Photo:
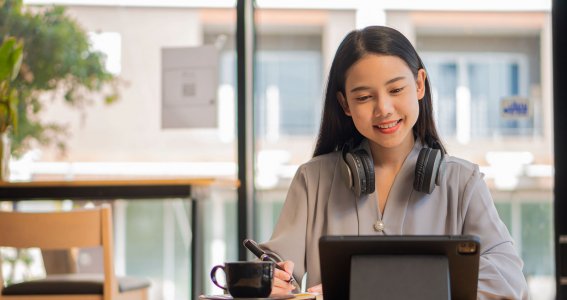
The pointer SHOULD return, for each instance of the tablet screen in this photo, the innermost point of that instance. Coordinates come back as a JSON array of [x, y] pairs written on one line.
[[430, 255]]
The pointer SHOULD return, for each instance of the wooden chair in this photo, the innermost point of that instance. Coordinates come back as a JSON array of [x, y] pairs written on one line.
[[64, 230]]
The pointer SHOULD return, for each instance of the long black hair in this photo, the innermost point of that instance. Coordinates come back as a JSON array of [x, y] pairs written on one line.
[[338, 128]]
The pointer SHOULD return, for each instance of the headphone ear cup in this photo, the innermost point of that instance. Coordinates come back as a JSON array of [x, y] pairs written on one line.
[[346, 170], [356, 167], [420, 169], [368, 171], [440, 172], [426, 170]]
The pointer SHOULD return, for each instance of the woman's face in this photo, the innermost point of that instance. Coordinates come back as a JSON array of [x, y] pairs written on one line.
[[382, 99]]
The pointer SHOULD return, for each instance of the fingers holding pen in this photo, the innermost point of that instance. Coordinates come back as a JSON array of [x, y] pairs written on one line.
[[288, 267], [285, 275], [282, 283], [316, 289]]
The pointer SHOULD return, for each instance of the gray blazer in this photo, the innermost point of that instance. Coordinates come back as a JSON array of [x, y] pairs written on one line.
[[319, 203]]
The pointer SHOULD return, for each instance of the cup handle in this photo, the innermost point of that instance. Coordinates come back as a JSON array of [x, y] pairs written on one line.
[[214, 276]]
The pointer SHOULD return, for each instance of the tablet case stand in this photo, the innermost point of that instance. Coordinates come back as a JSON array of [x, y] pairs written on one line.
[[396, 277]]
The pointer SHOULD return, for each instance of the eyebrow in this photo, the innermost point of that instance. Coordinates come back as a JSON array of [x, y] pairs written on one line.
[[359, 88], [363, 87], [395, 79]]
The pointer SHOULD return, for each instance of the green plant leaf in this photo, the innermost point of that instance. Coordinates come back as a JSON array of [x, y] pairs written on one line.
[[3, 117], [16, 59], [6, 50], [13, 104]]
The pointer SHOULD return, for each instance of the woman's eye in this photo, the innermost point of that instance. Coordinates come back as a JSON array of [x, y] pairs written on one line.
[[362, 98], [397, 91]]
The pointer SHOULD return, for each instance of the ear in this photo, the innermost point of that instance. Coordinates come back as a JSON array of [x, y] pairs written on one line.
[[344, 104], [420, 83]]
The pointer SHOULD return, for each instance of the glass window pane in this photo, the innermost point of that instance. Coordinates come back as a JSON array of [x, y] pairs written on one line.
[[168, 113], [505, 213], [288, 87], [537, 237], [444, 89], [473, 70]]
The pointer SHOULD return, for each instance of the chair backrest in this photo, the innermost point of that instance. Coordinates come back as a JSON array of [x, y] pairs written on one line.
[[62, 230]]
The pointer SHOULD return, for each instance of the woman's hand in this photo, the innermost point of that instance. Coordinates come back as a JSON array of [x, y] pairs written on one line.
[[316, 289], [281, 278]]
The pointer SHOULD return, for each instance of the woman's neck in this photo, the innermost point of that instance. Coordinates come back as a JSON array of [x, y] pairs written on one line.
[[391, 157]]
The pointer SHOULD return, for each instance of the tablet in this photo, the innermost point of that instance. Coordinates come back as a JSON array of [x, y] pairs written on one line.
[[426, 256]]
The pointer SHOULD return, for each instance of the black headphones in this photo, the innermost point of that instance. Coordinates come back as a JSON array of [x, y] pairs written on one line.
[[358, 169]]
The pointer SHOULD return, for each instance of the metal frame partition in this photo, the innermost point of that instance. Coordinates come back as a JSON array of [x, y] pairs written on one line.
[[559, 25], [245, 119]]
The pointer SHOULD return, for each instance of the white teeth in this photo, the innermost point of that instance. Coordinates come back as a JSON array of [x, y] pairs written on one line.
[[390, 125]]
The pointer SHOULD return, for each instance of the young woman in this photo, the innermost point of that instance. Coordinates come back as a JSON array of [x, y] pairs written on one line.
[[378, 102]]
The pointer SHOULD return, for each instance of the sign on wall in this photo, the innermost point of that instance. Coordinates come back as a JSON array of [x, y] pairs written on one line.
[[515, 108], [189, 87]]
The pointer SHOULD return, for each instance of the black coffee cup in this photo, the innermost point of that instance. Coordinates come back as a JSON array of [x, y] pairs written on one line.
[[246, 279]]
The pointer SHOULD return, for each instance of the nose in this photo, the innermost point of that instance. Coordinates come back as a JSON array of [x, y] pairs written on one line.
[[383, 107]]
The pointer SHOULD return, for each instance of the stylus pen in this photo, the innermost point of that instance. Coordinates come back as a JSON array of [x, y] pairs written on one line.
[[262, 255]]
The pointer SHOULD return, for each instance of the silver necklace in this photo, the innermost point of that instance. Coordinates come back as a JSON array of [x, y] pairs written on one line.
[[379, 224]]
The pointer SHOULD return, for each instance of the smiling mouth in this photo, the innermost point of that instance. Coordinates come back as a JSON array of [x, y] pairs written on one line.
[[389, 125]]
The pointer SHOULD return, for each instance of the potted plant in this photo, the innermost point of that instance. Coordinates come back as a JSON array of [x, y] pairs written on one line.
[[11, 52]]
